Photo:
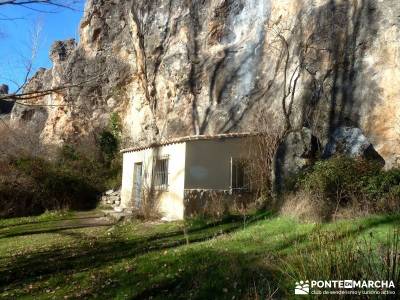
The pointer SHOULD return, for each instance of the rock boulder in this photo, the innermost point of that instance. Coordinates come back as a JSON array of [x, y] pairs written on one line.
[[350, 141], [297, 150]]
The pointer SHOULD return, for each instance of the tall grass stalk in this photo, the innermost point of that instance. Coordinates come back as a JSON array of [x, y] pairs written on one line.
[[335, 256]]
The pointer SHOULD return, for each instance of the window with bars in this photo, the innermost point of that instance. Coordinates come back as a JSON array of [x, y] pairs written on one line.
[[240, 179], [160, 173]]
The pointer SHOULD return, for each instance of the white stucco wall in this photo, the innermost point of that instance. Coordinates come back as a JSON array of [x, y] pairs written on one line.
[[201, 164], [170, 201], [208, 162]]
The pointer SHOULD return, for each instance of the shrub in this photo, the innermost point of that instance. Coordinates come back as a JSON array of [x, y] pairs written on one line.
[[114, 174], [33, 179], [68, 153], [149, 206], [338, 178], [110, 138], [31, 185], [303, 206], [357, 183], [383, 183], [57, 186], [115, 125], [17, 192], [18, 141], [91, 169], [108, 144]]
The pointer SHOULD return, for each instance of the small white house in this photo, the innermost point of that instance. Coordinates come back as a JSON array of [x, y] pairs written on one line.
[[176, 168]]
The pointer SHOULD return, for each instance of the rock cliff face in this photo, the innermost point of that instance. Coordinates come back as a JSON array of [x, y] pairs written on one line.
[[180, 67]]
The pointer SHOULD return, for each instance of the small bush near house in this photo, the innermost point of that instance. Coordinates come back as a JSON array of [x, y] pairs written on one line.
[[383, 184], [303, 206], [337, 179], [343, 182], [149, 205]]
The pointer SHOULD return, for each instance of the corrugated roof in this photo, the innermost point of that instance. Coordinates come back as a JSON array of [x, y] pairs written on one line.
[[189, 139]]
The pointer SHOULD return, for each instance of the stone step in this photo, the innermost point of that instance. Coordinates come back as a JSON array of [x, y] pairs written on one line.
[[117, 216]]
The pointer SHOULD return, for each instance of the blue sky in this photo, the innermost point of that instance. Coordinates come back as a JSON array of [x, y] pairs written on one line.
[[16, 37]]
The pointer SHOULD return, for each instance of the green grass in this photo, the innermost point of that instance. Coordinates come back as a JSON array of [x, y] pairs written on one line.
[[77, 255], [47, 216]]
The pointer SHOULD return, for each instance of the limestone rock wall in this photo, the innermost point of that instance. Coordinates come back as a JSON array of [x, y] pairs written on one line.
[[180, 67]]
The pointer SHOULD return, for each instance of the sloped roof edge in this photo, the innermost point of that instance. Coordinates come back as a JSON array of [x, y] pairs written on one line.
[[189, 139]]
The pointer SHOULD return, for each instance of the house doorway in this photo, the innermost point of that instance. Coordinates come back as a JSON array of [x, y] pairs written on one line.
[[138, 182]]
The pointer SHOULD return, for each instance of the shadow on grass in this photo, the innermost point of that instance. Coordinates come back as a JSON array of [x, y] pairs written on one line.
[[367, 224], [303, 242], [194, 272], [110, 250], [199, 274], [55, 229], [71, 218]]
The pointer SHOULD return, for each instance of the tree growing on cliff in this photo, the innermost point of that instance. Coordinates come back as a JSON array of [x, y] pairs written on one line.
[[296, 51], [109, 139]]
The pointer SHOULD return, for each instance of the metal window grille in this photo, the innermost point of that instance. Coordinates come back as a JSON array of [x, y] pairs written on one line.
[[240, 179], [160, 173]]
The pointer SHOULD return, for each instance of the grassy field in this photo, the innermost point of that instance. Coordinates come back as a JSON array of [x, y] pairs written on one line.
[[83, 255]]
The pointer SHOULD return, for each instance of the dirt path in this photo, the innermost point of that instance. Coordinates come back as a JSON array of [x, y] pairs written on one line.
[[86, 219], [78, 220]]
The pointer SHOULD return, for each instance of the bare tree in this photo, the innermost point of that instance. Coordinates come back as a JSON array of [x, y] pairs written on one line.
[[19, 95], [33, 4], [298, 51], [22, 141], [292, 67], [23, 96], [262, 149]]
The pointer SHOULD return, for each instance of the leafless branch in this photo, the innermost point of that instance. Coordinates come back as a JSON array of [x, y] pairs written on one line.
[[33, 4], [25, 96]]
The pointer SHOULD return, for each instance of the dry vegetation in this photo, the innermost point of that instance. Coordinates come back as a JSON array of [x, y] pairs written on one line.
[[149, 208], [33, 181], [343, 187], [18, 142], [262, 150]]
